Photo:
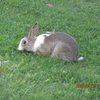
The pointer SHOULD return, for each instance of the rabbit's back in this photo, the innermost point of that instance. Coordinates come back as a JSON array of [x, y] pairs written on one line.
[[63, 37]]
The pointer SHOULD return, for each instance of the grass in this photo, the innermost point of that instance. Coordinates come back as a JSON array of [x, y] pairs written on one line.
[[27, 76]]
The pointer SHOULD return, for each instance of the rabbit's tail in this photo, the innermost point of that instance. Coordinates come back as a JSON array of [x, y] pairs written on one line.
[[80, 58]]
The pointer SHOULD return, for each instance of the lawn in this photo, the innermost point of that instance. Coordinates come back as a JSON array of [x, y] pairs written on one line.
[[27, 76]]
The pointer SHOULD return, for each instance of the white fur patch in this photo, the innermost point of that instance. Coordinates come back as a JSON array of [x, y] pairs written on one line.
[[80, 58], [20, 48], [39, 41]]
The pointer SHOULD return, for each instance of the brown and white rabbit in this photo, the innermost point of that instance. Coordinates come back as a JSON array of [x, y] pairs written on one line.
[[56, 44]]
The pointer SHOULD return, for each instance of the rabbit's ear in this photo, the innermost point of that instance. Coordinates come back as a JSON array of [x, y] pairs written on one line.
[[33, 31]]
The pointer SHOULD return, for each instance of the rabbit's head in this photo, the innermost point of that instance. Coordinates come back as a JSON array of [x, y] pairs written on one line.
[[27, 43]]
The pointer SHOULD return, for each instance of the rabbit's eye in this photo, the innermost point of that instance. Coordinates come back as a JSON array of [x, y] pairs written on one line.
[[24, 42]]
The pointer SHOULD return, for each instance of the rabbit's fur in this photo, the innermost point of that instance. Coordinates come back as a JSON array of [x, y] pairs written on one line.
[[56, 44]]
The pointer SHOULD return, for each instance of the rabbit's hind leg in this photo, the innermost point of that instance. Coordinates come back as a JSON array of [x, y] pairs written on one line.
[[62, 51]]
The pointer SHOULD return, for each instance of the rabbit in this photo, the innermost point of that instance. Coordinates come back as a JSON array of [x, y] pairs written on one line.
[[56, 44]]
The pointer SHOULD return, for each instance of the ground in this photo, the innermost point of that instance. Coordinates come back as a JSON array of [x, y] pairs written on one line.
[[27, 76]]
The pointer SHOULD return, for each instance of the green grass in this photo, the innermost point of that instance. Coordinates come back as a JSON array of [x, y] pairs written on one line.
[[27, 76]]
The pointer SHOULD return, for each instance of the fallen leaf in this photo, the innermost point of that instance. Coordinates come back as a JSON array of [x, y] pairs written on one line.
[[50, 5]]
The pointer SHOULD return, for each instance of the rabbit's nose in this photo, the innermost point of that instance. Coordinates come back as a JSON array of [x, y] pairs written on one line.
[[20, 48]]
